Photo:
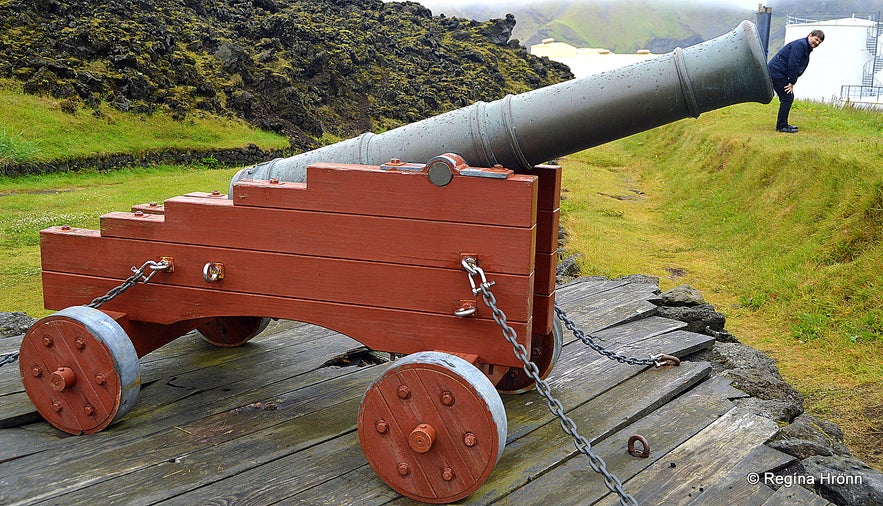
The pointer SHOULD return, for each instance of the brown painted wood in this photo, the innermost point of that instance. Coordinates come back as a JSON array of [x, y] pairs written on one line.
[[545, 273], [403, 240], [346, 271], [549, 189], [546, 259], [383, 329], [543, 313], [370, 284], [547, 231], [351, 189]]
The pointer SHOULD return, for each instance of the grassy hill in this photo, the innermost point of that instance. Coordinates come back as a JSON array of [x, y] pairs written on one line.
[[782, 233], [628, 25], [309, 70]]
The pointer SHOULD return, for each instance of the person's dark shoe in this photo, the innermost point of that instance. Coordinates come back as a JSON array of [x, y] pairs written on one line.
[[788, 129], [794, 127]]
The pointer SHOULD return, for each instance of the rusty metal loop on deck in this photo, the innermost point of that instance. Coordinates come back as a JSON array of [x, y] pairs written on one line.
[[644, 452], [663, 359]]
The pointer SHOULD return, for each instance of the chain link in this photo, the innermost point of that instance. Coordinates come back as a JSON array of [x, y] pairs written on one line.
[[8, 358], [567, 424], [137, 277], [654, 360]]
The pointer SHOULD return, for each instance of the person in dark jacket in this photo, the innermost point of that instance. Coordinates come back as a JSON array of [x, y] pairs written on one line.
[[785, 67]]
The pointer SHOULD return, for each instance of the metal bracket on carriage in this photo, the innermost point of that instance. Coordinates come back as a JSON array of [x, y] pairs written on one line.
[[442, 168]]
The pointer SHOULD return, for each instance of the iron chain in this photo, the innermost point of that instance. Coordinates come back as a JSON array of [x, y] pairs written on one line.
[[567, 424], [655, 360], [8, 358], [137, 277]]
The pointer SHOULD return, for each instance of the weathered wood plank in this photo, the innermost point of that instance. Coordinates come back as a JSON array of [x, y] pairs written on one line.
[[149, 457], [17, 410], [574, 482], [180, 441], [734, 485], [527, 412], [314, 469], [607, 303], [703, 462], [154, 426], [545, 448], [185, 355], [318, 443], [265, 424], [581, 374]]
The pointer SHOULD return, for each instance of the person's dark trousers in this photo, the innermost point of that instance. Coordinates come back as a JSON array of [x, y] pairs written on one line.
[[785, 101]]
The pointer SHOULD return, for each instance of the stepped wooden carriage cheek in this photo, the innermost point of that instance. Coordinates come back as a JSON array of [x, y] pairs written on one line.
[[374, 252], [384, 251]]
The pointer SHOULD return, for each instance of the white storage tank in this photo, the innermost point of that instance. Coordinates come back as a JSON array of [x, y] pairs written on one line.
[[840, 60]]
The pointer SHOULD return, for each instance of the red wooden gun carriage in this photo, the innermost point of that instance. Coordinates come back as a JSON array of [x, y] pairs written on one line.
[[393, 254]]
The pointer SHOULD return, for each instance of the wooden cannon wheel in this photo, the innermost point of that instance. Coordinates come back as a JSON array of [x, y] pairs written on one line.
[[432, 427], [80, 369], [544, 352], [232, 331]]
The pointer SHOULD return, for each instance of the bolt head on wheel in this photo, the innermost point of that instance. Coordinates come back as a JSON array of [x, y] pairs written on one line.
[[80, 369]]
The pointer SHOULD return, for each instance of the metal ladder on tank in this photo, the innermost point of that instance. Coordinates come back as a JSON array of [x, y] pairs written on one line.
[[875, 64]]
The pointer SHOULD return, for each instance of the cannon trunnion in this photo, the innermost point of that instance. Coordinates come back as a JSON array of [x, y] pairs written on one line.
[[364, 238]]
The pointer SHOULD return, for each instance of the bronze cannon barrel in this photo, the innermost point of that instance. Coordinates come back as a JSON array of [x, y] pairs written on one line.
[[520, 131]]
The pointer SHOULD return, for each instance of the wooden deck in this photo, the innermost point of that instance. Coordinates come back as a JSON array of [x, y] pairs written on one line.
[[270, 423]]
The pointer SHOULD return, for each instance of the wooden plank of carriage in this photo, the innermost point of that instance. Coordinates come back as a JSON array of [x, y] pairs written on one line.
[[265, 422]]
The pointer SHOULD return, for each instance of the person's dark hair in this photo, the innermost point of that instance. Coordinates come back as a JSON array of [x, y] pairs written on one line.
[[818, 33]]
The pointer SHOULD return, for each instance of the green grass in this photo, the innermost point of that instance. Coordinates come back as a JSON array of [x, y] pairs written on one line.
[[35, 128], [30, 204], [780, 232]]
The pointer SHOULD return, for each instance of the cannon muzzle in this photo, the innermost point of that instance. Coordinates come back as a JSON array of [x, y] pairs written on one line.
[[520, 131]]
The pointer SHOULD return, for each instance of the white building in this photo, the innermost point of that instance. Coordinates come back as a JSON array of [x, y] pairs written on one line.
[[847, 66], [584, 61]]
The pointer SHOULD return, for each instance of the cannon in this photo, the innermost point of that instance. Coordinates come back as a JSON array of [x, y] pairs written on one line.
[[386, 238], [521, 131]]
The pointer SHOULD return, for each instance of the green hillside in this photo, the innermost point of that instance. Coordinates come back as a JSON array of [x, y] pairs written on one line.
[[628, 25], [782, 233], [308, 70]]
